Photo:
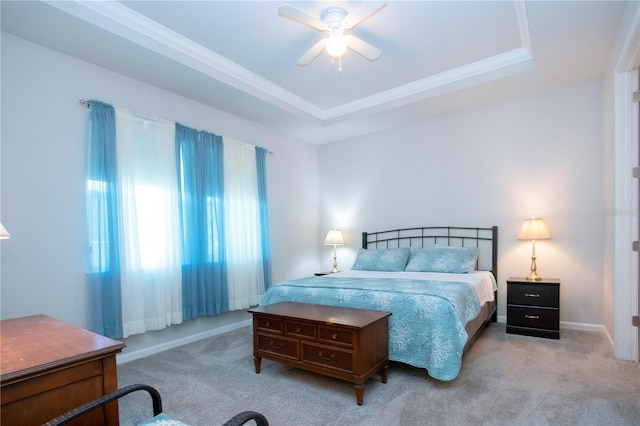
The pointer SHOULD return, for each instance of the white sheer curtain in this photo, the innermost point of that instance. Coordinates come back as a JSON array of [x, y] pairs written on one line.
[[149, 223], [245, 276]]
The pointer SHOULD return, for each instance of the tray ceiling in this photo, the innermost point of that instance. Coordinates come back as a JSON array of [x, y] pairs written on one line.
[[240, 56]]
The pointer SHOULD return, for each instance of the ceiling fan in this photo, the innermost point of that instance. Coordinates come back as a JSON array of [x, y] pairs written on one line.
[[335, 21]]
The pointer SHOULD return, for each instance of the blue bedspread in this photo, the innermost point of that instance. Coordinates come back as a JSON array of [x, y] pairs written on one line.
[[426, 328]]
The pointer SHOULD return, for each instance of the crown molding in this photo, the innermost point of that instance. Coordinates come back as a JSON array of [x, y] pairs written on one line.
[[118, 19], [488, 69]]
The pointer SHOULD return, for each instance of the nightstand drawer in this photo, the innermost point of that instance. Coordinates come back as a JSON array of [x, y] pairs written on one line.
[[533, 317], [533, 295]]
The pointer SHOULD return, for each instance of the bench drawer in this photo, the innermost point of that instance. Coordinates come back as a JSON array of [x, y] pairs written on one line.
[[280, 346], [335, 336], [328, 357]]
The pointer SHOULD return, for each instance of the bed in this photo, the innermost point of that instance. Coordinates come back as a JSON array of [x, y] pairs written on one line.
[[438, 282]]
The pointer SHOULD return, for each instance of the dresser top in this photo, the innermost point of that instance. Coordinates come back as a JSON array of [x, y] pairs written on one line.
[[32, 344]]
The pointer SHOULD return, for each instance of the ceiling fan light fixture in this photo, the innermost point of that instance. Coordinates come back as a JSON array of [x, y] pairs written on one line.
[[336, 45], [335, 21]]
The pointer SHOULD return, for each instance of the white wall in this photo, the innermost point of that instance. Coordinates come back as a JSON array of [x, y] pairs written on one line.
[[42, 177], [497, 165]]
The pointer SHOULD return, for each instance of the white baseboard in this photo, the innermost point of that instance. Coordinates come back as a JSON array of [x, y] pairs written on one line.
[[127, 357], [609, 338], [598, 328]]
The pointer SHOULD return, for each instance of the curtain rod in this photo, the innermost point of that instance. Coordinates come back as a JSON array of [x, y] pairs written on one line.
[[88, 104]]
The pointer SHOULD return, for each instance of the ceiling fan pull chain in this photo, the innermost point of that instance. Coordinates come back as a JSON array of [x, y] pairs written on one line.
[[333, 61]]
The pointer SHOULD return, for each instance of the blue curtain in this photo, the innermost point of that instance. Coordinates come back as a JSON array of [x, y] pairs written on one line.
[[200, 157], [201, 186], [261, 165], [102, 220]]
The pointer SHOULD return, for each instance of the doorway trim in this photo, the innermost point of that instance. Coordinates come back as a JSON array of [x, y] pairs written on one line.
[[626, 192]]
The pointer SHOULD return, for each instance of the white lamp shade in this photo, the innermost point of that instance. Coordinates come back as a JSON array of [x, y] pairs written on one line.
[[3, 233], [534, 229], [334, 238]]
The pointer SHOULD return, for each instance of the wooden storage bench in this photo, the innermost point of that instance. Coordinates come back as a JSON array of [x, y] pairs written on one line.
[[348, 344]]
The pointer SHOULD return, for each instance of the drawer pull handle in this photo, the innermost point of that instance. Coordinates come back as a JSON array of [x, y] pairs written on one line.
[[267, 324], [299, 330], [274, 346], [531, 295], [334, 336], [330, 358], [532, 316]]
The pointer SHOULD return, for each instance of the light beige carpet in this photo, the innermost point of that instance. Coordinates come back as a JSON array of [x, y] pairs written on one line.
[[505, 380]]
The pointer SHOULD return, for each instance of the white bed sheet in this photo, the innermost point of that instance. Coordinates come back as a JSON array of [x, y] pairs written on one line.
[[482, 281]]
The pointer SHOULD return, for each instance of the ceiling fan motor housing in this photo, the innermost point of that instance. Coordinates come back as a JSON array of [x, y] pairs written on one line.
[[333, 18]]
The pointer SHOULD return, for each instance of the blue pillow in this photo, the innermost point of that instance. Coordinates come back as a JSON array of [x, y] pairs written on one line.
[[389, 260], [457, 260], [423, 260]]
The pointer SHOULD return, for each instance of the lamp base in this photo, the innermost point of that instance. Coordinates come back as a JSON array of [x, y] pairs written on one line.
[[335, 269], [533, 277]]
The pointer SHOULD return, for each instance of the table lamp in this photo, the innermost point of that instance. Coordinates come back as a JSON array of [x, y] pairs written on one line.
[[334, 238], [534, 229], [3, 233]]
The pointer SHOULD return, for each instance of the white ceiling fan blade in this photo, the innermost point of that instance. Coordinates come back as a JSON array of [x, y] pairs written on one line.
[[294, 14], [362, 12], [312, 53], [363, 48]]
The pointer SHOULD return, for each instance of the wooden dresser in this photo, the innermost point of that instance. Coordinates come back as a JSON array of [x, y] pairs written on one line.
[[48, 367], [348, 344]]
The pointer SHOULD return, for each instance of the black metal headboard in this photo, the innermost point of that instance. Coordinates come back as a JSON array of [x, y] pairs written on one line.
[[486, 239]]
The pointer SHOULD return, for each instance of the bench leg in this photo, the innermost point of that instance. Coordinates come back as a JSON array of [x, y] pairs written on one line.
[[257, 361], [359, 393]]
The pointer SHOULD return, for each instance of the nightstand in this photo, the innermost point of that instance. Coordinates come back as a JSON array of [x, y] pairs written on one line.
[[533, 307]]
